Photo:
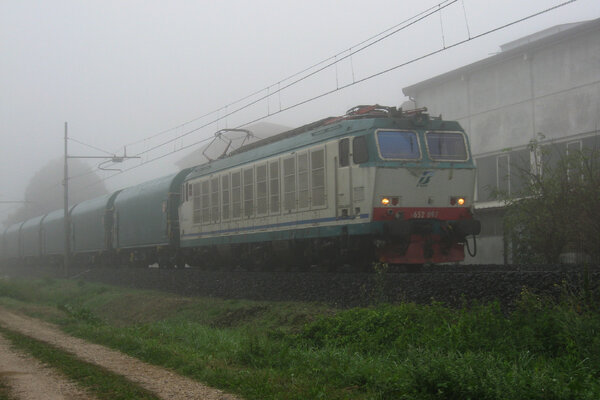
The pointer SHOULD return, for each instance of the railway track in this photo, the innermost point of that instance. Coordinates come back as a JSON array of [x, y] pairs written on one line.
[[451, 284]]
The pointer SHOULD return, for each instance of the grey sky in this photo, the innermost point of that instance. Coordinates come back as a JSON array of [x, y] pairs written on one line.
[[121, 71]]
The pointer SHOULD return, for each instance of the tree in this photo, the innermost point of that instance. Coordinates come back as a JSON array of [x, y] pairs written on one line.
[[558, 210], [44, 193]]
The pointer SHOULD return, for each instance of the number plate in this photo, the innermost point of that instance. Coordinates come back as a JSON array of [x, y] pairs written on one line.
[[425, 214]]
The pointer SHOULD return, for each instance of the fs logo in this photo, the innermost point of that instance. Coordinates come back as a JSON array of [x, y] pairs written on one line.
[[425, 178]]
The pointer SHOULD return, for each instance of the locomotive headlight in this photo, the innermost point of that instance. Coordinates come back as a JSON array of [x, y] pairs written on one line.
[[457, 200], [385, 201]]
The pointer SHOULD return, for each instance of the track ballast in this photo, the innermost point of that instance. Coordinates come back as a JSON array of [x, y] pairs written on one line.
[[450, 284]]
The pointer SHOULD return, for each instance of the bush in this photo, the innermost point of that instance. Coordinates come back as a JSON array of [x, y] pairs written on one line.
[[558, 210]]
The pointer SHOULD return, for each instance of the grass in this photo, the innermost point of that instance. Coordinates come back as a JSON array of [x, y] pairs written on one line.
[[5, 390], [98, 381], [544, 349]]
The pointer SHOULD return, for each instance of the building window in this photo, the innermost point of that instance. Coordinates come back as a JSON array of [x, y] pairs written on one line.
[[573, 148], [552, 154], [503, 173], [507, 173], [520, 172]]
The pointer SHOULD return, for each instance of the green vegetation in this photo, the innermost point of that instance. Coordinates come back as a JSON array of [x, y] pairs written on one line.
[[543, 349], [557, 211], [4, 390], [102, 383]]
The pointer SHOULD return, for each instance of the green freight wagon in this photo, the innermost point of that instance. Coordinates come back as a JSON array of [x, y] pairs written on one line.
[[91, 229], [146, 222], [11, 243], [31, 240]]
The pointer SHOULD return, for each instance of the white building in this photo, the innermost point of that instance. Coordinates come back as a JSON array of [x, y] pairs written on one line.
[[546, 83]]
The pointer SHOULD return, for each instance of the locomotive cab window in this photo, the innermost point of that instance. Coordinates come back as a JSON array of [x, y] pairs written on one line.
[[398, 145], [360, 150], [446, 146]]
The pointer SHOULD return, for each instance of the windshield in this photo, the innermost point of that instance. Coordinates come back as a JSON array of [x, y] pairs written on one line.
[[396, 145], [446, 146]]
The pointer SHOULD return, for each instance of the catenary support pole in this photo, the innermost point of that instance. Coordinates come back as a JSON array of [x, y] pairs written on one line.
[[67, 254]]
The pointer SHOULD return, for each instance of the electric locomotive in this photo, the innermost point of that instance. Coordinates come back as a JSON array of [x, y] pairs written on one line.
[[377, 184]]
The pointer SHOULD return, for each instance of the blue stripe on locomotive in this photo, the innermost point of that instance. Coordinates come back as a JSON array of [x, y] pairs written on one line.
[[297, 231]]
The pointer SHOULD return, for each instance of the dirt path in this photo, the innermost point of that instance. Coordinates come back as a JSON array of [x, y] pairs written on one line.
[[162, 382], [30, 380]]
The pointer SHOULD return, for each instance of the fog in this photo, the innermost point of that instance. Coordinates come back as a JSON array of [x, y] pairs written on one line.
[[143, 73]]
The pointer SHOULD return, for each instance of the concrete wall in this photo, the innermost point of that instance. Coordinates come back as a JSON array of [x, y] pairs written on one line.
[[551, 87]]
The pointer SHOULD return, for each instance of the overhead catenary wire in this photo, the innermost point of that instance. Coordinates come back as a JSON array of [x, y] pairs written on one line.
[[363, 45], [89, 172], [257, 92], [466, 19], [90, 146], [355, 82]]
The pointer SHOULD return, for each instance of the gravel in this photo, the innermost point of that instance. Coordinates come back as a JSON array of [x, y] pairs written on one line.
[[448, 284]]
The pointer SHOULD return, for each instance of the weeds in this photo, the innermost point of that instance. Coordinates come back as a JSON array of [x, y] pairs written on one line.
[[5, 390], [545, 348], [376, 293], [101, 382], [80, 314]]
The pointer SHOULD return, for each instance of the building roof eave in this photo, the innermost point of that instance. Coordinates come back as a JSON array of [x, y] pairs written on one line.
[[512, 51]]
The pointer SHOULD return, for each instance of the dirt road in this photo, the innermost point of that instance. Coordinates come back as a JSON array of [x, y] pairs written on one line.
[[28, 379]]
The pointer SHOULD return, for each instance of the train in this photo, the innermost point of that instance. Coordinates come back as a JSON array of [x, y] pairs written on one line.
[[376, 185]]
